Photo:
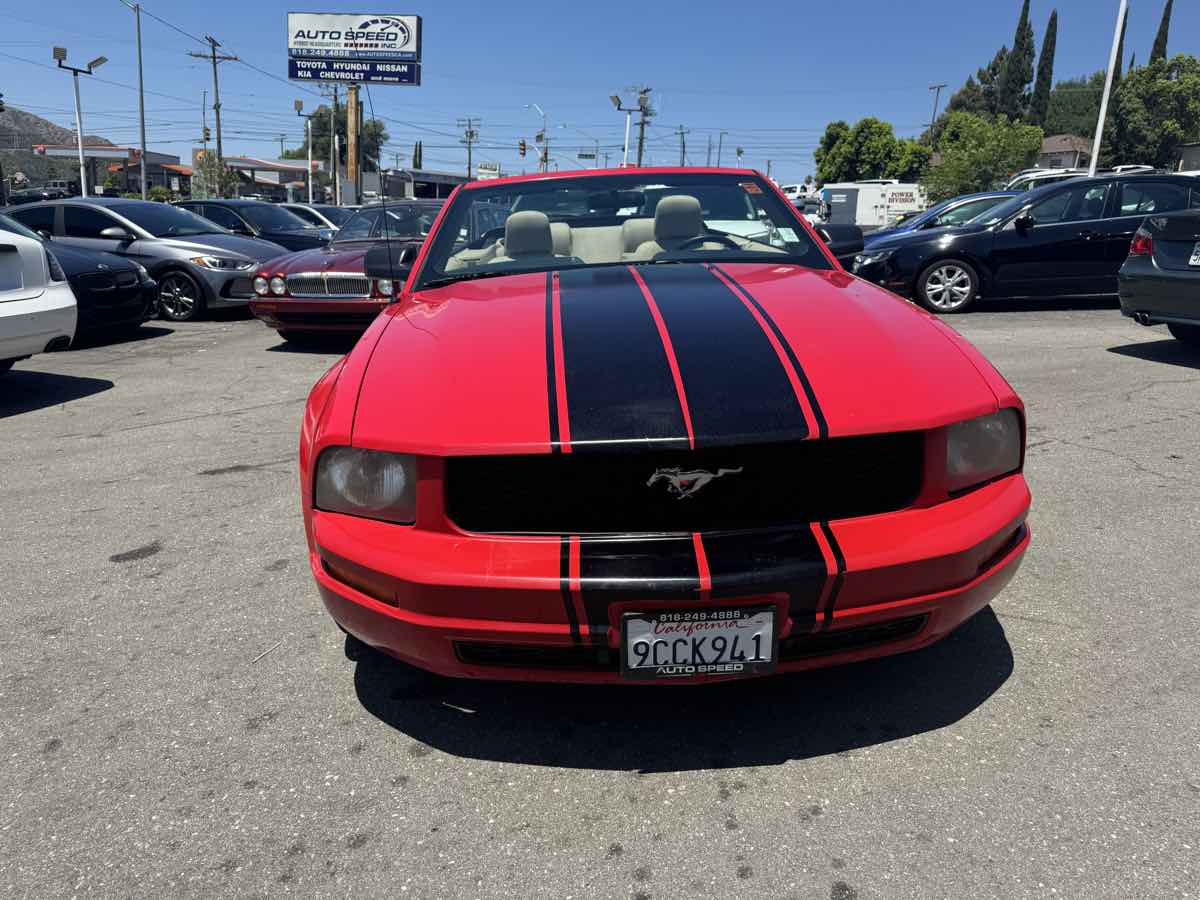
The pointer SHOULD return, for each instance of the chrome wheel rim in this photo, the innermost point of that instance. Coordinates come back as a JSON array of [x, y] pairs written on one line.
[[948, 287], [176, 297]]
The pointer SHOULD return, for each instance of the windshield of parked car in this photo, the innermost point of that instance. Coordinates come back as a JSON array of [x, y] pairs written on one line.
[[7, 224], [266, 217], [165, 221], [403, 220], [1002, 211], [600, 220], [338, 215]]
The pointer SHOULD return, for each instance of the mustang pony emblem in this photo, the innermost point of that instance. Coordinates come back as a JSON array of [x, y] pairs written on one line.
[[681, 484]]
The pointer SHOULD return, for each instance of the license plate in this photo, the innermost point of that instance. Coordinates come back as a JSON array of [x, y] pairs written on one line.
[[1195, 260], [680, 643]]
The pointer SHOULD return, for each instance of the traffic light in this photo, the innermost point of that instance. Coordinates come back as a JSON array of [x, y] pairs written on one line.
[[521, 146], [207, 133]]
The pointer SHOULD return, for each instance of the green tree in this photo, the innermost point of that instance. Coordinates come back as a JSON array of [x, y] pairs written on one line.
[[1075, 105], [910, 159], [1160, 39], [1154, 111], [835, 133], [159, 194], [1040, 102], [1012, 91], [978, 95], [869, 149], [212, 180], [374, 136], [977, 154]]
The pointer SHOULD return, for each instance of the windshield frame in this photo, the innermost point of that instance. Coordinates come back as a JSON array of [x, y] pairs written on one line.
[[9, 224], [206, 226], [253, 213], [441, 241]]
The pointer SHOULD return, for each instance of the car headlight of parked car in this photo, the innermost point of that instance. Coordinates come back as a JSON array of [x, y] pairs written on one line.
[[368, 483], [224, 263], [871, 258], [982, 449]]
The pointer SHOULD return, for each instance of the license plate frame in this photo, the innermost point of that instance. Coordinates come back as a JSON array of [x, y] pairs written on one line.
[[1195, 259], [759, 619]]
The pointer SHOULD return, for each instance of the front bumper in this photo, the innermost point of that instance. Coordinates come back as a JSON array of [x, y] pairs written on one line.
[[225, 289], [344, 316], [492, 606], [884, 273]]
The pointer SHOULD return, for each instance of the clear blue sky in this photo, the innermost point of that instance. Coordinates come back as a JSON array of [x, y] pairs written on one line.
[[771, 74]]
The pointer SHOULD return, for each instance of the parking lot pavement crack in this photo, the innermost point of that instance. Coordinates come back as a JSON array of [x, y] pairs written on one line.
[[1124, 458], [207, 415]]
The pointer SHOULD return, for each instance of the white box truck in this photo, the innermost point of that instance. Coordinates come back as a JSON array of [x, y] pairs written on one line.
[[871, 204]]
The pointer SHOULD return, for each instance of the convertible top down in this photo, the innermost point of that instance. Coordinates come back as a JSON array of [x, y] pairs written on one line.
[[640, 425]]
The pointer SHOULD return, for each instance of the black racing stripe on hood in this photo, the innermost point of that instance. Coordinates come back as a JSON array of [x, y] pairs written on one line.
[[618, 380], [737, 389], [646, 568], [758, 563]]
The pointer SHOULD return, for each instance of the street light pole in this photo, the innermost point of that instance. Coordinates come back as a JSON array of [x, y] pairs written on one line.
[[60, 57], [720, 144], [137, 17], [544, 162], [1108, 80]]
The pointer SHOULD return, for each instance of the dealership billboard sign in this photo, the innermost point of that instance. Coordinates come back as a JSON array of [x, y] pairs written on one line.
[[354, 47]]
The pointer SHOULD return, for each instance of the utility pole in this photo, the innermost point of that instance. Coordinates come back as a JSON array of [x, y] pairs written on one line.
[[282, 138], [334, 154], [768, 170], [353, 115], [470, 135], [137, 15], [720, 145], [1108, 80], [646, 113], [682, 132], [215, 58], [708, 156], [937, 95], [308, 117]]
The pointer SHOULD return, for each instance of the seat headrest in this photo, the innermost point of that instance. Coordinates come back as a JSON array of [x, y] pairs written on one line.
[[677, 218], [635, 232], [528, 234], [560, 233]]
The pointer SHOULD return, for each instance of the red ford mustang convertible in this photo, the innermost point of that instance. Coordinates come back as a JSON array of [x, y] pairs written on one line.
[[640, 425]]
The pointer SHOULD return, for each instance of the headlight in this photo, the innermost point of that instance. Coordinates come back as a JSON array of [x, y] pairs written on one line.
[[981, 449], [261, 286], [367, 483], [278, 286], [384, 286], [223, 263], [871, 257]]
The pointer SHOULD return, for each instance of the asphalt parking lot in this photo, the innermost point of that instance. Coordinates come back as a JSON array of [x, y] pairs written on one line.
[[180, 717]]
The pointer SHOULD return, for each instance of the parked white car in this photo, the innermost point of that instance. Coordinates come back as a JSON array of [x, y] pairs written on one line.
[[37, 307]]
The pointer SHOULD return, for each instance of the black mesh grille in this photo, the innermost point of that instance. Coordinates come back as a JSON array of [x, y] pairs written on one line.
[[755, 487]]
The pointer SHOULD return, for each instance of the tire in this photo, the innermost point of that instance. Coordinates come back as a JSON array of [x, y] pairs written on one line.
[[1185, 334], [948, 286], [5, 365], [180, 298]]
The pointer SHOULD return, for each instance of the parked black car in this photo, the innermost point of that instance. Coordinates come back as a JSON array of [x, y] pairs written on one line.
[[111, 292], [267, 221], [1160, 281], [1064, 240]]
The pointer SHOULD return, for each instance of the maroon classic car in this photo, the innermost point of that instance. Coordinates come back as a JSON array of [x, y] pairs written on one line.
[[325, 290]]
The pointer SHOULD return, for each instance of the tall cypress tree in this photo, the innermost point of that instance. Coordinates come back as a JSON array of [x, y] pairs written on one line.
[[1018, 69], [1045, 74], [1160, 40]]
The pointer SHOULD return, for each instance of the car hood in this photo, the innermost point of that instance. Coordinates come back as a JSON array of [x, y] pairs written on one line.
[[345, 257], [76, 261], [760, 353], [252, 248]]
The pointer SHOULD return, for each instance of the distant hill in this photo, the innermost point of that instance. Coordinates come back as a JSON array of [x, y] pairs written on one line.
[[20, 130]]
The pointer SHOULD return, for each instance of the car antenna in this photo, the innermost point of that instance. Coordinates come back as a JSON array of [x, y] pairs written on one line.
[[387, 241]]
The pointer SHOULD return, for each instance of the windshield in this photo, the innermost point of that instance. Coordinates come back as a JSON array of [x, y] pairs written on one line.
[[404, 220], [1001, 212], [162, 220], [7, 224], [610, 219], [335, 214], [266, 217], [923, 217]]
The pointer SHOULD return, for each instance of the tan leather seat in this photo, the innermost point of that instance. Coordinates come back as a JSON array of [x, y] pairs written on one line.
[[677, 220], [634, 233], [527, 238], [560, 234]]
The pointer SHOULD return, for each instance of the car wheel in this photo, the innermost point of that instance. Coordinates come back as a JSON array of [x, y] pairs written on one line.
[[1187, 334], [180, 298], [948, 286]]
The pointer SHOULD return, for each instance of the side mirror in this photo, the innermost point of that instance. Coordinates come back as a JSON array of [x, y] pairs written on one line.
[[44, 234], [844, 241], [116, 233], [1024, 223], [390, 261]]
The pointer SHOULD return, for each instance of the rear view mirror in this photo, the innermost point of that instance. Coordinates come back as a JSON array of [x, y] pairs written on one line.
[[115, 233]]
